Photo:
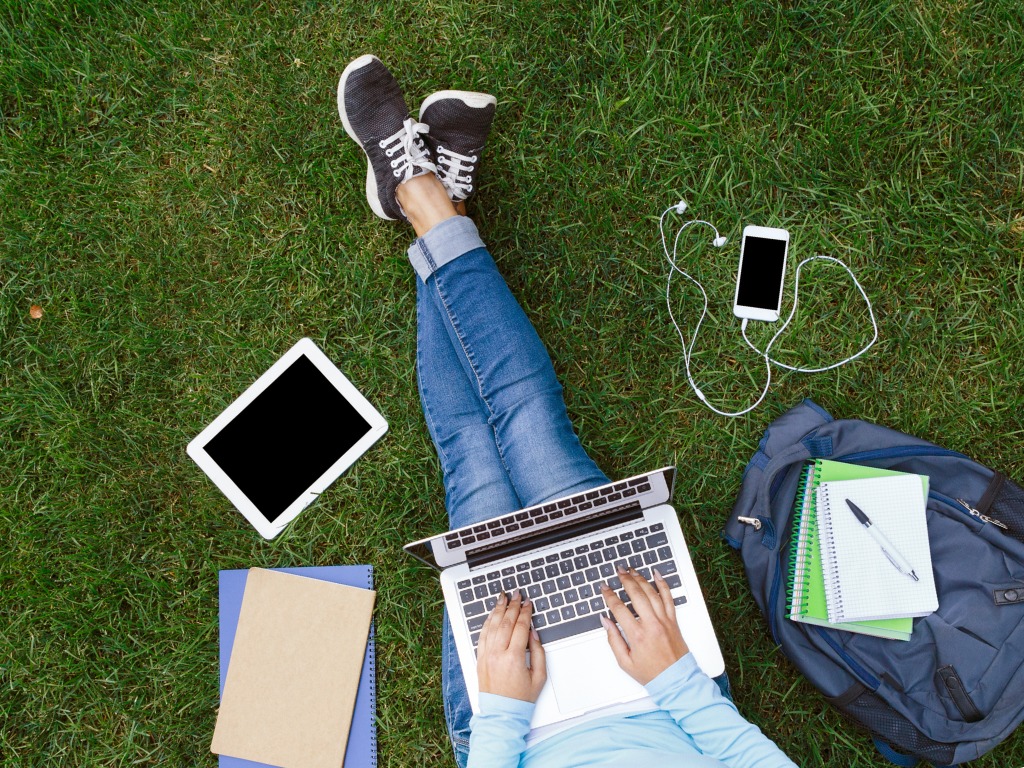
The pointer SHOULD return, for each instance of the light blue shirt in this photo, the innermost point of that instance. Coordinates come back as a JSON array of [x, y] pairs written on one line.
[[696, 727]]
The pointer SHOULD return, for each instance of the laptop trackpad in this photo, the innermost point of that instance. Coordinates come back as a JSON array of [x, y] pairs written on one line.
[[585, 676]]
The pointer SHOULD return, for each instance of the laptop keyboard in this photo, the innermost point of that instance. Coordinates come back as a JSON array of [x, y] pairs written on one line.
[[564, 586], [555, 510]]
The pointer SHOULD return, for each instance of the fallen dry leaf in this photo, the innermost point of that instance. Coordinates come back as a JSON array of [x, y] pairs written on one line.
[[35, 311]]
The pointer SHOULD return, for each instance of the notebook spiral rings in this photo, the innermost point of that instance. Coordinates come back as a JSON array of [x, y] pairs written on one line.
[[371, 670], [830, 557], [800, 555]]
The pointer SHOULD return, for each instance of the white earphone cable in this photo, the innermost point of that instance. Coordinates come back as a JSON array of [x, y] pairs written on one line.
[[718, 242]]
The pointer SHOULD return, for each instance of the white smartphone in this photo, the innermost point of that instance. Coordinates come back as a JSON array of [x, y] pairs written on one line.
[[762, 267]]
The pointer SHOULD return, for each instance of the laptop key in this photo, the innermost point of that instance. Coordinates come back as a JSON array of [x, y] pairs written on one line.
[[469, 539], [592, 574], [657, 527], [553, 617], [542, 519], [569, 628], [620, 564], [542, 604], [665, 553], [466, 595], [537, 574], [523, 579], [483, 536], [665, 569], [637, 481], [582, 609], [521, 515], [607, 569], [493, 575], [624, 550], [539, 621], [657, 540], [679, 600], [494, 523], [572, 596], [473, 609], [508, 571], [673, 581], [635, 561], [597, 604], [551, 558], [611, 540], [526, 523], [643, 488], [555, 515], [551, 571], [508, 583], [550, 508], [463, 584], [533, 591], [493, 587], [489, 603], [476, 623], [557, 601], [626, 536], [577, 578], [586, 591], [537, 562], [564, 503], [614, 583], [615, 497], [645, 572], [650, 556], [475, 637], [548, 587], [629, 492], [642, 531], [580, 562], [582, 549], [608, 554], [480, 592], [563, 583], [479, 579], [585, 505], [639, 545], [568, 612], [566, 566], [512, 527]]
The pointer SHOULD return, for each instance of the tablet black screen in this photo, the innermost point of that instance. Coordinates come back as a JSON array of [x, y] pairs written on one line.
[[286, 438]]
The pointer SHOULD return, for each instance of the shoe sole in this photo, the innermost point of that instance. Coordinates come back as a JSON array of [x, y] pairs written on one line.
[[469, 98], [372, 197]]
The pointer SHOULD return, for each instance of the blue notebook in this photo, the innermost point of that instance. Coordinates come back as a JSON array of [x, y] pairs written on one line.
[[362, 738]]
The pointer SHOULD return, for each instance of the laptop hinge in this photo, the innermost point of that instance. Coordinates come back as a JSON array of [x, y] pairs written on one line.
[[620, 515]]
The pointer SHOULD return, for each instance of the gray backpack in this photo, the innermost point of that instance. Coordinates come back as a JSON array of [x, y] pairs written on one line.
[[956, 689]]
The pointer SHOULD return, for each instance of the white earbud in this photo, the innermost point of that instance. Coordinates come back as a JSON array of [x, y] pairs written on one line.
[[718, 242]]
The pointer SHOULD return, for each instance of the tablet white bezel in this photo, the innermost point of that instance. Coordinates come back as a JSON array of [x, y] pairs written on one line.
[[378, 426]]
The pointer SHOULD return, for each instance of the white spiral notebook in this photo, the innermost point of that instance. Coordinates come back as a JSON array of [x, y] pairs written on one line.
[[861, 584]]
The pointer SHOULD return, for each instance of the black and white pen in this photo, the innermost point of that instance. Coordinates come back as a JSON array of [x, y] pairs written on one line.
[[887, 548]]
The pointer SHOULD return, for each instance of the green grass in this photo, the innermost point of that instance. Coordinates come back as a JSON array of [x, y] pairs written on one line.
[[179, 197]]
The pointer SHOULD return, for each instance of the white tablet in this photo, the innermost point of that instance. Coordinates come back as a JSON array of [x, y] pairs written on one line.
[[287, 438]]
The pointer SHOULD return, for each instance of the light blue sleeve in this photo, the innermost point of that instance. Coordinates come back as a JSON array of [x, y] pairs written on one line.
[[694, 701], [498, 732]]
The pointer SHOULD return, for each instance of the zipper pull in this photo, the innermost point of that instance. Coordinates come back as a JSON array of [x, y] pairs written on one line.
[[751, 521], [980, 516]]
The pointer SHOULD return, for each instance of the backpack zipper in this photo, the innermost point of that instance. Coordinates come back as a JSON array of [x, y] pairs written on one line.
[[980, 516]]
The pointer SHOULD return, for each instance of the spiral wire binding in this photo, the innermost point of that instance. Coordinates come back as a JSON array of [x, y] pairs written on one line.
[[372, 671], [830, 561], [799, 552]]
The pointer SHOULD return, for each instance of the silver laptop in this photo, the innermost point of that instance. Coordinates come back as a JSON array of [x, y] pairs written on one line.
[[556, 553]]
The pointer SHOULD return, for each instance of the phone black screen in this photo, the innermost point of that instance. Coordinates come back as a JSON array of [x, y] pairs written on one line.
[[760, 281], [286, 438]]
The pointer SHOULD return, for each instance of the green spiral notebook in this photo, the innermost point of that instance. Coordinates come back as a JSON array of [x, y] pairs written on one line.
[[806, 581]]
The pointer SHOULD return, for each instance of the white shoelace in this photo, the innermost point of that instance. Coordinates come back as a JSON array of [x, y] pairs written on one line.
[[454, 171], [411, 151]]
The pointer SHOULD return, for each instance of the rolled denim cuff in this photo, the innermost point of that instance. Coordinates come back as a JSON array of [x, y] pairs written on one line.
[[443, 243]]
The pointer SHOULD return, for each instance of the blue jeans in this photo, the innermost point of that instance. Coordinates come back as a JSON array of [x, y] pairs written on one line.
[[493, 407]]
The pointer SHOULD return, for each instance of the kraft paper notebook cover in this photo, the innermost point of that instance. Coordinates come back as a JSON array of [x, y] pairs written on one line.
[[860, 581], [806, 576], [294, 697]]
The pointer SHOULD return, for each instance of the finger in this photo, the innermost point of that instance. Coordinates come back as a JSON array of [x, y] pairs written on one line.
[[617, 607], [538, 662], [521, 630], [618, 644], [637, 596], [665, 593], [651, 594], [492, 620], [501, 633]]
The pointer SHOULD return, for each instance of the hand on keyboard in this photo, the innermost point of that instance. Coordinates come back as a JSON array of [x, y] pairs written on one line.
[[653, 641], [501, 662]]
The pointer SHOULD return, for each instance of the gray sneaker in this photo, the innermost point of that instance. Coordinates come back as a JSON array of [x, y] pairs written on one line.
[[459, 123], [374, 113]]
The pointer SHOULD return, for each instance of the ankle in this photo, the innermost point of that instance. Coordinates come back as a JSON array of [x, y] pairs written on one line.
[[425, 202]]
